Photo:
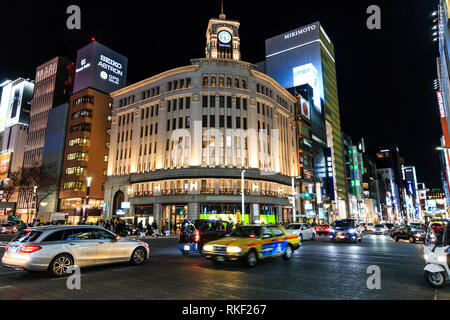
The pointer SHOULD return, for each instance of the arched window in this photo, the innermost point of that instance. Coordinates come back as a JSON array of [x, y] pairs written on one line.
[[236, 83], [205, 81], [244, 84], [119, 197], [229, 82], [213, 81], [221, 82]]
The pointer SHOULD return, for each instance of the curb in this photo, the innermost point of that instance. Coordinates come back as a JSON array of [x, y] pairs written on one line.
[[151, 238]]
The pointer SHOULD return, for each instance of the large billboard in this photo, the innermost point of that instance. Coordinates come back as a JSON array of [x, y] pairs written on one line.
[[15, 104], [4, 104], [100, 68], [294, 58], [5, 162]]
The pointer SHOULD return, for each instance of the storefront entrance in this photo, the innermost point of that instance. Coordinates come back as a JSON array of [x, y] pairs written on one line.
[[268, 214], [173, 216], [144, 214], [225, 212]]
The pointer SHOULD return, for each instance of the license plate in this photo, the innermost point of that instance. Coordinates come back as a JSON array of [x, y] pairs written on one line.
[[187, 248], [220, 259]]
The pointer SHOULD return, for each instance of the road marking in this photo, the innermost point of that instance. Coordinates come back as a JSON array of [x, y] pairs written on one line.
[[436, 294], [5, 287]]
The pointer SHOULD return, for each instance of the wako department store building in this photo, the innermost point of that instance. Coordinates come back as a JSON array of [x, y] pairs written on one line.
[[181, 139]]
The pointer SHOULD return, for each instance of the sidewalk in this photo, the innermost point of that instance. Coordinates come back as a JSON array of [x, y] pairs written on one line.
[[152, 237]]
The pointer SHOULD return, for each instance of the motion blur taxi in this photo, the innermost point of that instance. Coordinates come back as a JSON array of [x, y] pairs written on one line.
[[250, 243]]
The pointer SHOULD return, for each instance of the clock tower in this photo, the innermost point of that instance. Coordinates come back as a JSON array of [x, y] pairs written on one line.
[[222, 39]]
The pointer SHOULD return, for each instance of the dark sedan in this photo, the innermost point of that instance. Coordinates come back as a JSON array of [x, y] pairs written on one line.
[[412, 233], [323, 229], [8, 228]]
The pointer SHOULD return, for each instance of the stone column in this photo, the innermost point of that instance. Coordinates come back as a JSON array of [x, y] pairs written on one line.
[[193, 210], [254, 214], [157, 215], [279, 214]]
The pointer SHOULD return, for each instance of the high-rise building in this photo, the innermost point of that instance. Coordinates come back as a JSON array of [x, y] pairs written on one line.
[[442, 85], [53, 87], [389, 166], [99, 70], [14, 120], [305, 182], [306, 56]]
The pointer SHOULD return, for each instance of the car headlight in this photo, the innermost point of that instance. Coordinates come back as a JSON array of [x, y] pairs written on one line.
[[442, 258], [425, 256], [233, 249], [332, 230], [208, 247], [418, 234], [351, 230]]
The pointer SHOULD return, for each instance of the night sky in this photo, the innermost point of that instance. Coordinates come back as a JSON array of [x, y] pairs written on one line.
[[385, 77]]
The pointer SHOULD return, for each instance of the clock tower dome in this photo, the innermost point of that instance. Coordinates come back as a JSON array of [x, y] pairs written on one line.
[[222, 39]]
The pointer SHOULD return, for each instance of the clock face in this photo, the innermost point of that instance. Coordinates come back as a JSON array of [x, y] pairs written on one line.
[[224, 36]]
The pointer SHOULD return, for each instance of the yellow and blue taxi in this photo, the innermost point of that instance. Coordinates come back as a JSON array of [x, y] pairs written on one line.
[[250, 243]]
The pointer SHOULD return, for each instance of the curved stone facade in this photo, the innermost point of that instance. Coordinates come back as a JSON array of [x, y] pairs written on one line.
[[180, 140]]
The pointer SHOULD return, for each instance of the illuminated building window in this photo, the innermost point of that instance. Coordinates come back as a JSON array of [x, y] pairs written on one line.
[[75, 170], [77, 156], [79, 142], [81, 127], [73, 185], [82, 113]]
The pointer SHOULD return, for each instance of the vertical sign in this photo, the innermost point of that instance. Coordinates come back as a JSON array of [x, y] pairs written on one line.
[[330, 174], [318, 193]]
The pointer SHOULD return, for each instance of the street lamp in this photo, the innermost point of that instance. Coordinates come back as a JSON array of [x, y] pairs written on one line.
[[86, 199], [243, 194]]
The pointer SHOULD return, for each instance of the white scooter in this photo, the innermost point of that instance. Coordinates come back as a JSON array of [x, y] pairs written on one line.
[[436, 250]]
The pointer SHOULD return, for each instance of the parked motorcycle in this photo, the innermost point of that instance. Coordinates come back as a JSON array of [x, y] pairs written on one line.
[[436, 247]]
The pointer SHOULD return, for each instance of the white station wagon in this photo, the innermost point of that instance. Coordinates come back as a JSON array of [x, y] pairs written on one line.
[[56, 248]]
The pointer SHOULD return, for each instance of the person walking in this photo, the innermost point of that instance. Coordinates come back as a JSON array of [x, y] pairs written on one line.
[[20, 229], [140, 229]]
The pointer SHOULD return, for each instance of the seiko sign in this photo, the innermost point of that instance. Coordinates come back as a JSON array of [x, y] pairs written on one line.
[[100, 68], [110, 65], [300, 32]]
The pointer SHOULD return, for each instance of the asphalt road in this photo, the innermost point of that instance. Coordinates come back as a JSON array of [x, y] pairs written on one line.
[[319, 270]]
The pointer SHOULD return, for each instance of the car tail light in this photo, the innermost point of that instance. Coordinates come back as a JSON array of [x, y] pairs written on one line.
[[29, 249], [251, 236], [197, 236], [179, 235], [6, 247]]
